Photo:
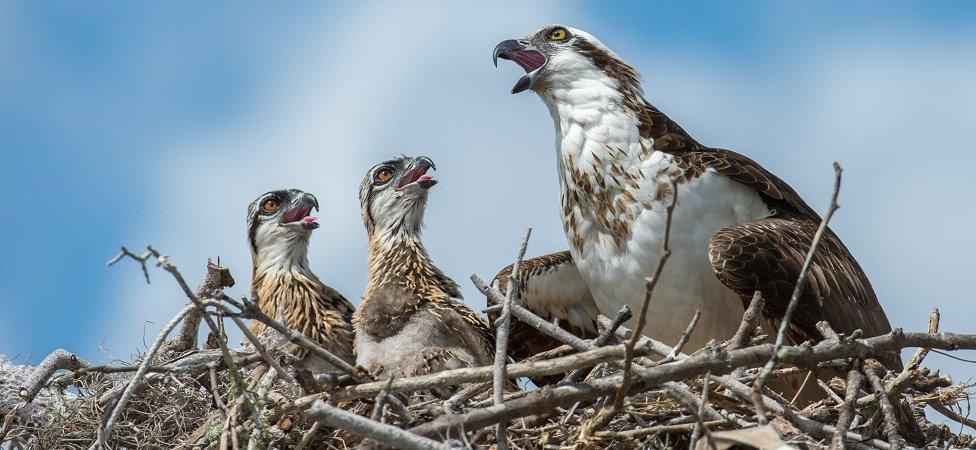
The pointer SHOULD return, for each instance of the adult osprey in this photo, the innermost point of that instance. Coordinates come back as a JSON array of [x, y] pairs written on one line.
[[737, 228], [279, 227], [411, 320]]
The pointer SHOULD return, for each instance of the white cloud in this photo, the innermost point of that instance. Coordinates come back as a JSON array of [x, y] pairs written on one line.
[[378, 81]]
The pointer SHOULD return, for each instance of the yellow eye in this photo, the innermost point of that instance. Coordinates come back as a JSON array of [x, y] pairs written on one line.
[[270, 206], [558, 34], [384, 175]]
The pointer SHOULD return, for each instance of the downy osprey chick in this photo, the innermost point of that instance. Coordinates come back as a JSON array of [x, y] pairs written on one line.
[[411, 320], [279, 226]]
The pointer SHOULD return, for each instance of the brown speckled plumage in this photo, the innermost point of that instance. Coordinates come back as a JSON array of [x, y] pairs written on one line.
[[284, 285], [412, 319], [402, 281], [603, 189], [308, 306]]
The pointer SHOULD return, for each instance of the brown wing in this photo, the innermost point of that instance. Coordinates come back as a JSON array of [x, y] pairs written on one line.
[[694, 158], [767, 254], [776, 193], [551, 287], [326, 319]]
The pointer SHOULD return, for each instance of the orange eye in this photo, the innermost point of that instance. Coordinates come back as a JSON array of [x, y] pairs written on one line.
[[270, 206], [384, 175]]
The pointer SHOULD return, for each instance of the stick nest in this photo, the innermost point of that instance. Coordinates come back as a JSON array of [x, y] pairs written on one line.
[[178, 396]]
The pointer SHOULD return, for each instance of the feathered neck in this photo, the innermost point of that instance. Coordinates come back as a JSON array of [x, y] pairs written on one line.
[[603, 154], [287, 254], [400, 261], [277, 271]]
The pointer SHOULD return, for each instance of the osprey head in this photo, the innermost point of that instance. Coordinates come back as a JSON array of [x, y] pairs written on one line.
[[558, 54], [393, 195], [280, 220]]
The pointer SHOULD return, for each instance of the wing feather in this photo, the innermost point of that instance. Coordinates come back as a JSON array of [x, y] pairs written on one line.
[[766, 255]]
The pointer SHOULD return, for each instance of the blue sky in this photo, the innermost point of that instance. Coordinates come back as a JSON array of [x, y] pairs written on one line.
[[135, 123]]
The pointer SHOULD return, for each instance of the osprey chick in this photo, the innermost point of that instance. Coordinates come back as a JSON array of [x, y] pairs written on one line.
[[737, 228], [279, 226], [411, 320]]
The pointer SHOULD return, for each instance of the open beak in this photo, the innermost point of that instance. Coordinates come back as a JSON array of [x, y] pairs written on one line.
[[530, 58], [417, 175], [300, 215]]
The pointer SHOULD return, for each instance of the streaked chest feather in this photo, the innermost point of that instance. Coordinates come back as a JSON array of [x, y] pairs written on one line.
[[615, 190], [304, 304]]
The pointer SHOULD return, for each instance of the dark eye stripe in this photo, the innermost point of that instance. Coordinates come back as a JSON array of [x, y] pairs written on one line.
[[369, 204]]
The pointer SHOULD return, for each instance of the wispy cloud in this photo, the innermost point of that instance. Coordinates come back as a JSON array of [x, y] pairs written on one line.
[[364, 86]]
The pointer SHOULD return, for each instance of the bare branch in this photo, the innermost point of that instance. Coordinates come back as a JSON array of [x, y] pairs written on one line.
[[163, 261], [479, 374], [784, 326], [750, 320], [946, 411], [531, 319], [700, 426], [452, 404], [854, 380], [380, 401], [59, 359], [720, 363], [387, 434], [916, 360], [502, 326], [870, 370], [216, 279], [685, 336], [141, 259], [602, 339]]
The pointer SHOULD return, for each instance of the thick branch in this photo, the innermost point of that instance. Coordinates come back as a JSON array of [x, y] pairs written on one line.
[[217, 278], [59, 359], [720, 363], [854, 380], [870, 369], [387, 434]]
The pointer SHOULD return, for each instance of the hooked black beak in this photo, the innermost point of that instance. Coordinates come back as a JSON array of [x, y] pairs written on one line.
[[418, 174], [299, 216], [311, 200], [530, 58], [505, 48]]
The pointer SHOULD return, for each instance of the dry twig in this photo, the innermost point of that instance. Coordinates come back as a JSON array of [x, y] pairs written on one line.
[[502, 325], [784, 326], [870, 370], [854, 380], [362, 426]]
